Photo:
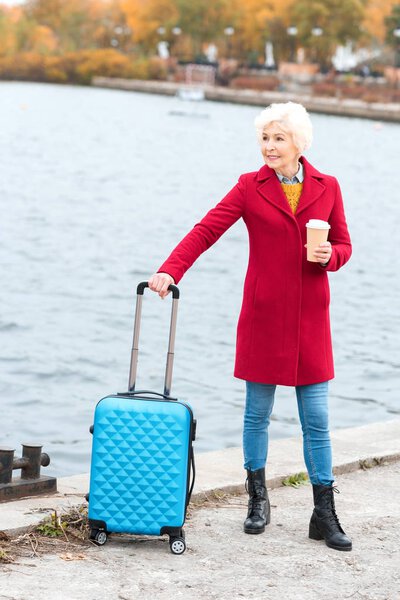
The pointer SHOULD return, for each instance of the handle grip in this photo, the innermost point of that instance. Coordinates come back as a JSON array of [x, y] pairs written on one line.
[[144, 284]]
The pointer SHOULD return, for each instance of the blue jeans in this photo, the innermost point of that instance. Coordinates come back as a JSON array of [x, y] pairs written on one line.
[[312, 402]]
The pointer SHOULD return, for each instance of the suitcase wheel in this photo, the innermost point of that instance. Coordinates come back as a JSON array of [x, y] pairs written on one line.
[[87, 497], [98, 536], [177, 545], [91, 429]]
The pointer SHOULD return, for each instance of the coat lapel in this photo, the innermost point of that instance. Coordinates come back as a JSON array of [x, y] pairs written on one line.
[[269, 187], [313, 186]]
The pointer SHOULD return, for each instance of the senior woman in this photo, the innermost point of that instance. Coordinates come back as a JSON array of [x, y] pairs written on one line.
[[283, 333]]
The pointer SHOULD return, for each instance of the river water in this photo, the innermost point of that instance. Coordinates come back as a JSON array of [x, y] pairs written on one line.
[[97, 187]]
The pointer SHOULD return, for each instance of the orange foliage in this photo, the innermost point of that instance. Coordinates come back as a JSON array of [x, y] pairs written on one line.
[[71, 67], [87, 33], [79, 67], [253, 16], [106, 62], [43, 39], [249, 18], [144, 17], [8, 17], [252, 19], [376, 11]]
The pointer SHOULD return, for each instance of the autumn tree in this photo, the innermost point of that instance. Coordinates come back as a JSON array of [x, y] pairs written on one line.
[[336, 22], [111, 28], [77, 24], [202, 20], [256, 23], [392, 24], [19, 33], [146, 17], [7, 38], [239, 28], [374, 18]]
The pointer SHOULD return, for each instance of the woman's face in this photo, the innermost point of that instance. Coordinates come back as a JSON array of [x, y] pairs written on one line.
[[279, 150]]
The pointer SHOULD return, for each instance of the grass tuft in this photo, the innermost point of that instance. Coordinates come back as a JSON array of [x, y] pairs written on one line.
[[296, 480]]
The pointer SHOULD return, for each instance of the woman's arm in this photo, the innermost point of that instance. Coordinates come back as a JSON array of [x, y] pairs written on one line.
[[200, 238]]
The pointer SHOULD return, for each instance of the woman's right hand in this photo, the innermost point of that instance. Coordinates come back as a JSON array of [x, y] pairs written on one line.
[[159, 282]]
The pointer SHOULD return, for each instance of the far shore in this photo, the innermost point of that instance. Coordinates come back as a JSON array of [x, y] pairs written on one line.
[[378, 111]]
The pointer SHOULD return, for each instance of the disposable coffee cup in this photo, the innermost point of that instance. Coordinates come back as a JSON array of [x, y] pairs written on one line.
[[317, 232]]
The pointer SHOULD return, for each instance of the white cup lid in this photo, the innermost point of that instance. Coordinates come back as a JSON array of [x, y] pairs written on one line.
[[318, 224]]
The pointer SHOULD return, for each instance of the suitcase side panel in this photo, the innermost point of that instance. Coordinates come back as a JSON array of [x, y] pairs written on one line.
[[140, 458]]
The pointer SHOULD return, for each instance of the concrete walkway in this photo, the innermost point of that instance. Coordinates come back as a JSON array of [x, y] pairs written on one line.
[[221, 561], [222, 470]]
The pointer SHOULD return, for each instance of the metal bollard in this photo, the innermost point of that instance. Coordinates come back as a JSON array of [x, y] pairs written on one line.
[[32, 459], [31, 482], [6, 464]]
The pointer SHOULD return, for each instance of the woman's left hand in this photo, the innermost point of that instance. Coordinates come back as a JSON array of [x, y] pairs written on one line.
[[323, 253]]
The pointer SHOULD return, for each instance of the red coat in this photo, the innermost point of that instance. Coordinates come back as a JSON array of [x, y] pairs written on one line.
[[283, 333]]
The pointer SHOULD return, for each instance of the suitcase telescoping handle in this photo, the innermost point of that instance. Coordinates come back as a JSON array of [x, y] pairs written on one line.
[[171, 344]]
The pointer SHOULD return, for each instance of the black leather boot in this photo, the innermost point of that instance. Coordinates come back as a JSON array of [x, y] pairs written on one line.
[[324, 523], [259, 513]]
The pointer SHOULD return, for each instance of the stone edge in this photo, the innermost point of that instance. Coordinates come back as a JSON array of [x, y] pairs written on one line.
[[277, 481], [199, 497]]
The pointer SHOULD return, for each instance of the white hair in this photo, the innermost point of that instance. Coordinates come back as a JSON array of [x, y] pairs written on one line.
[[292, 117]]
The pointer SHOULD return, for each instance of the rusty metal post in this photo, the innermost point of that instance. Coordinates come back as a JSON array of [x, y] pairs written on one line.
[[31, 482], [35, 458], [6, 464]]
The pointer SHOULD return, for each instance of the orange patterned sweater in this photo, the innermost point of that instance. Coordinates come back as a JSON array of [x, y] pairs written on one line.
[[292, 192]]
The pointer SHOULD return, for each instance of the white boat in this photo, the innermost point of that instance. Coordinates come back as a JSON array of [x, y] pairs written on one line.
[[193, 94]]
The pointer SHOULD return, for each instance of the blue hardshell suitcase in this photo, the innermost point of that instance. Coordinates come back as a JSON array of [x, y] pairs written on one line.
[[142, 468]]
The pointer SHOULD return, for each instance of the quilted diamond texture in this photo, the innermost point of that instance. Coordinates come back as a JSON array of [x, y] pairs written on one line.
[[139, 468]]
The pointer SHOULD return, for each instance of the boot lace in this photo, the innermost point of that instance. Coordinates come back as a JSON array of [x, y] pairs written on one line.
[[332, 517], [257, 490], [256, 499]]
